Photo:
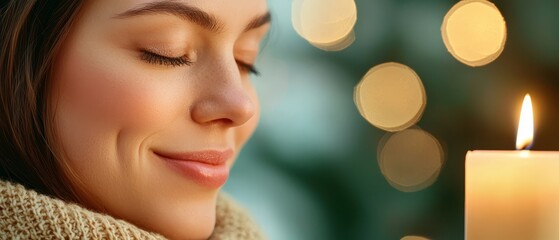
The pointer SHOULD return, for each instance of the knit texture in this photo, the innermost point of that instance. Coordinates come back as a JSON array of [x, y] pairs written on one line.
[[25, 214]]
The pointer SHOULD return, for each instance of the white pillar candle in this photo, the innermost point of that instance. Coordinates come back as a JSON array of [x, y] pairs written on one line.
[[512, 194]]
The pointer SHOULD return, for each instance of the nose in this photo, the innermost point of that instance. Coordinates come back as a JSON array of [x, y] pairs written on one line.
[[223, 98]]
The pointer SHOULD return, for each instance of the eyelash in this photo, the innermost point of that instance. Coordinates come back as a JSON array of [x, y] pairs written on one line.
[[154, 58], [250, 68]]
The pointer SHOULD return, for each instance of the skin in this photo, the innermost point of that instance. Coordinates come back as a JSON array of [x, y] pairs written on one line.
[[113, 108]]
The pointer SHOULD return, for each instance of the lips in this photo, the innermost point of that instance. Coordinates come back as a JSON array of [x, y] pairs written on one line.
[[206, 168]]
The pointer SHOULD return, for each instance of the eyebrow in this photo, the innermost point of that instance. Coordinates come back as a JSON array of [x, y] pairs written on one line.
[[189, 13]]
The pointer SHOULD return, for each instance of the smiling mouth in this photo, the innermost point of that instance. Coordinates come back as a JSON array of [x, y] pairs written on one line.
[[205, 168]]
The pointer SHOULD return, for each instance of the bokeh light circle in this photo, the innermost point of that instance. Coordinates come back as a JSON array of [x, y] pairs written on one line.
[[410, 160], [391, 97], [474, 32], [327, 24], [337, 45]]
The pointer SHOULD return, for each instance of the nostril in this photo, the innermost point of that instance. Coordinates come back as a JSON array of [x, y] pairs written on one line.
[[222, 121]]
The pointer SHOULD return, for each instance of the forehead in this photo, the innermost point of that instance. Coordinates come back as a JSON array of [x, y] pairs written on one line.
[[230, 13]]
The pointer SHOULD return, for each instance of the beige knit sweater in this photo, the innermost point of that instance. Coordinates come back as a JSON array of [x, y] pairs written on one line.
[[25, 214]]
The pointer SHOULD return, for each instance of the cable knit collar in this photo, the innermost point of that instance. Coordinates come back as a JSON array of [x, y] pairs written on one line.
[[25, 214]]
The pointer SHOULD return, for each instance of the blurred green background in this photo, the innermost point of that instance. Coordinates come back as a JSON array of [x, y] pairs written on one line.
[[310, 171]]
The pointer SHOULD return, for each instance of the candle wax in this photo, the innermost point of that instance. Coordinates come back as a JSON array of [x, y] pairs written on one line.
[[512, 195]]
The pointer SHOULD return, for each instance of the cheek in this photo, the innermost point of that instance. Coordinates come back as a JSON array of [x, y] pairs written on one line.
[[105, 108], [106, 91]]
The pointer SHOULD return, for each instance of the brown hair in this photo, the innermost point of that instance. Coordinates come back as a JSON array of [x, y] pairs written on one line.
[[31, 32]]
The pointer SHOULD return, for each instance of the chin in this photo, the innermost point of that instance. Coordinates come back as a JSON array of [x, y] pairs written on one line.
[[176, 219], [196, 223], [199, 227]]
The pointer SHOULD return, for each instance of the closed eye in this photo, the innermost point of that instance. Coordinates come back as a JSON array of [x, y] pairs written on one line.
[[246, 67], [154, 58]]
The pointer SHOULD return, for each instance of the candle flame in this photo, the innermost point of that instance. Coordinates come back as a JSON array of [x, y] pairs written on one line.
[[525, 135]]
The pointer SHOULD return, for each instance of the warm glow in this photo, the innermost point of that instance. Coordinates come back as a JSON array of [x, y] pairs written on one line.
[[326, 24], [525, 134], [391, 97], [410, 160], [474, 32], [337, 45]]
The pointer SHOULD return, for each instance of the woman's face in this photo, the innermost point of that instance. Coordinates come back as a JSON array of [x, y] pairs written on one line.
[[153, 102]]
